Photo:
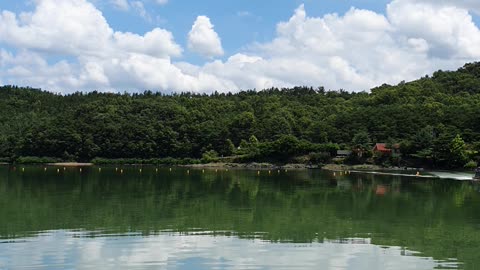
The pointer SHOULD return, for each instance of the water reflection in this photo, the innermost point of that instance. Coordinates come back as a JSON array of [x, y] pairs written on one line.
[[239, 219], [65, 249]]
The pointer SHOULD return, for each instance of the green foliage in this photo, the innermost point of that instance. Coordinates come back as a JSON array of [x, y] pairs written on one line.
[[319, 157], [210, 156], [362, 140], [36, 160], [253, 141], [458, 154], [423, 115], [471, 165]]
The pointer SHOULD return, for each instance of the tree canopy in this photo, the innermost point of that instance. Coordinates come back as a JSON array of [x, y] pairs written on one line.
[[425, 116]]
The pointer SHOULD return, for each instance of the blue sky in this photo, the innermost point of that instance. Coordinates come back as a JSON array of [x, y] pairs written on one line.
[[234, 45]]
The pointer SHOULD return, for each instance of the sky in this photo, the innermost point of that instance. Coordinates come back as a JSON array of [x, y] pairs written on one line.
[[226, 46]]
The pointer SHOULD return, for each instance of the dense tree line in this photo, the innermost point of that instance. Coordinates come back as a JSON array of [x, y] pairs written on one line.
[[436, 121]]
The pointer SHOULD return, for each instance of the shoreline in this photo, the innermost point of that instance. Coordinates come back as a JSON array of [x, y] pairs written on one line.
[[70, 164], [233, 165], [55, 164], [368, 167], [335, 168], [229, 165], [396, 174], [253, 166]]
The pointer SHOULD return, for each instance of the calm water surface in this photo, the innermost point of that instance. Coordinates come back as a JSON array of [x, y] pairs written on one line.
[[234, 220]]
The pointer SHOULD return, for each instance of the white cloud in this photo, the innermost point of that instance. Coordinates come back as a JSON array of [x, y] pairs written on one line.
[[473, 5], [449, 30], [355, 51], [158, 43], [63, 27], [120, 4], [360, 49], [139, 8], [203, 39]]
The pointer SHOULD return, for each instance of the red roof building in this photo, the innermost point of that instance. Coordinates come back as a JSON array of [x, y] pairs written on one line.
[[382, 147]]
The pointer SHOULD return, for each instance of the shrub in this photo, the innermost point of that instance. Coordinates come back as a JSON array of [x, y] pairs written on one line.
[[35, 160], [319, 158], [210, 156], [471, 165]]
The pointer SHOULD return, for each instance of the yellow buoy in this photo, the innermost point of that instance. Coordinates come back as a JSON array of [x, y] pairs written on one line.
[[80, 170], [203, 171], [226, 170], [170, 169], [334, 174], [278, 171], [116, 169], [216, 170], [286, 170], [45, 169], [64, 168], [269, 172], [23, 169], [156, 169], [99, 169], [188, 171], [121, 171], [140, 170], [58, 170]]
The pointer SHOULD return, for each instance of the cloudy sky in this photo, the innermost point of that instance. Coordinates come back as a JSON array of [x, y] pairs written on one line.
[[201, 46]]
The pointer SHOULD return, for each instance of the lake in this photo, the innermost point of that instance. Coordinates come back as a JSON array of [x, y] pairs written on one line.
[[157, 218]]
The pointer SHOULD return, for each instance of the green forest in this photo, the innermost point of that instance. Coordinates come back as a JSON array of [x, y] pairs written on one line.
[[433, 121]]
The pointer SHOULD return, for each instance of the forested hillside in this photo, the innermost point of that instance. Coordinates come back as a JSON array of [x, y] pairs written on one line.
[[423, 116]]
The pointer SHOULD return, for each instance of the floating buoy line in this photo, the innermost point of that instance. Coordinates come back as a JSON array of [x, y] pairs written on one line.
[[152, 169]]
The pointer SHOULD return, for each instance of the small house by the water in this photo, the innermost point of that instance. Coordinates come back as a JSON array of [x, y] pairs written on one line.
[[381, 148]]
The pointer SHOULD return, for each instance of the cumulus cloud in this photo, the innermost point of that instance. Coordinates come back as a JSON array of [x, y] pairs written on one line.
[[355, 51], [63, 27], [360, 49], [104, 59], [158, 42], [448, 30], [203, 39]]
